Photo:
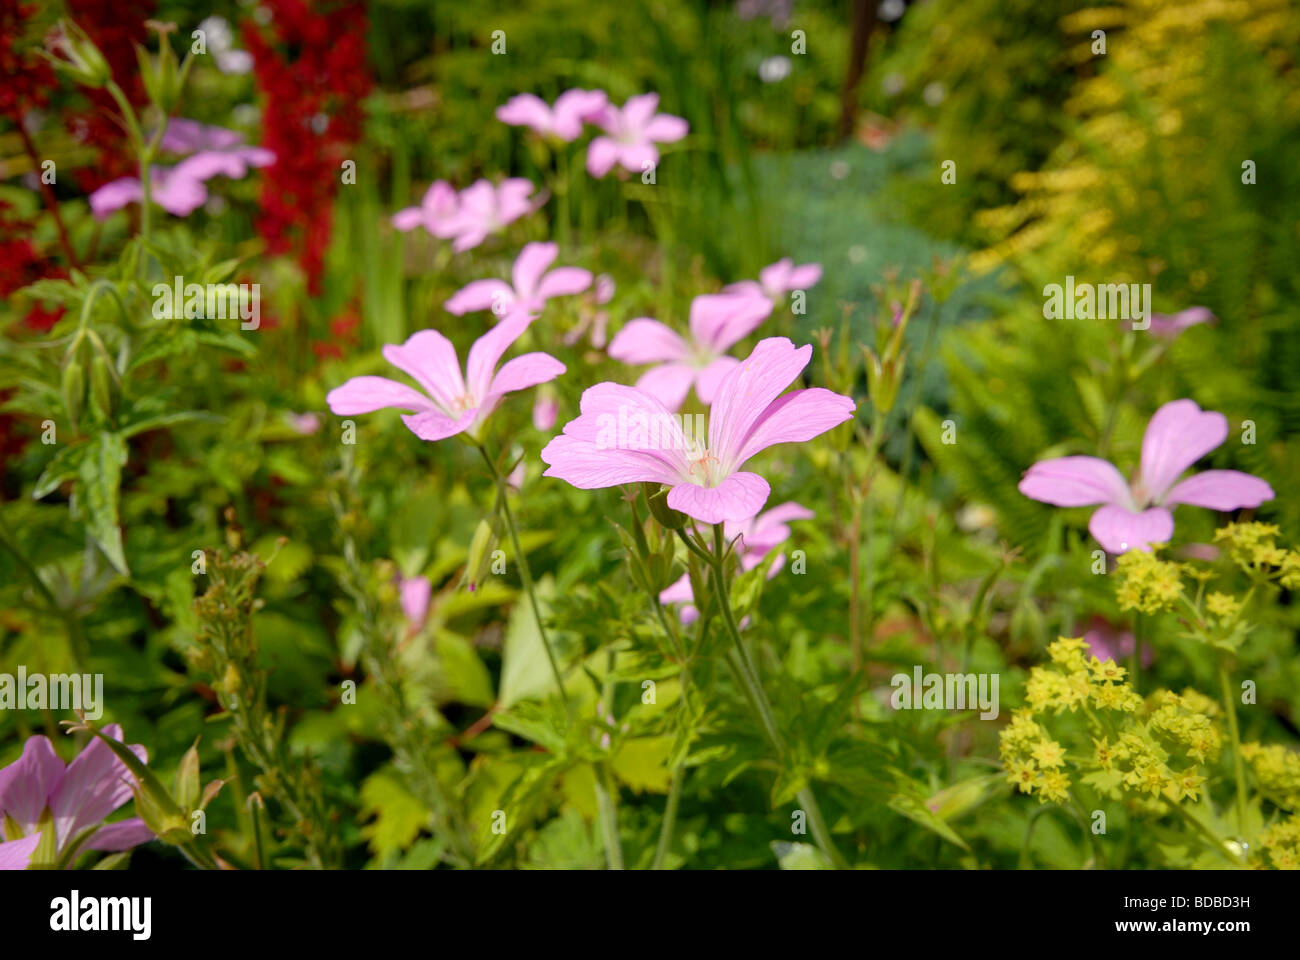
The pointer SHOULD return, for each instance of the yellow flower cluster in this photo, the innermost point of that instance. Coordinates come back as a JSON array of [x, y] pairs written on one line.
[[1278, 771], [1251, 546], [1147, 583], [1151, 748], [1282, 844]]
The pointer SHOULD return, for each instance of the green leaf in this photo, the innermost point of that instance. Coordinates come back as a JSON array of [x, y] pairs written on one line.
[[101, 476], [63, 466], [915, 809], [532, 721], [399, 816]]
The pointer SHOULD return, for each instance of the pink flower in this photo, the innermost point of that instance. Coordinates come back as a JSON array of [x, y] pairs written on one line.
[[484, 209], [1135, 516], [437, 212], [16, 854], [564, 121], [718, 321], [545, 411], [1169, 326], [415, 593], [632, 132], [304, 424], [78, 796], [1106, 642], [625, 435], [533, 286], [775, 281], [758, 537], [180, 190], [451, 403]]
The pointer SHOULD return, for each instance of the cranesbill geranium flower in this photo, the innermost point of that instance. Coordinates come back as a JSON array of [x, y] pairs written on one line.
[[483, 209], [451, 403], [718, 321], [778, 279], [632, 133], [1134, 516], [533, 285], [437, 212], [625, 435], [78, 796], [758, 537], [227, 152], [563, 121]]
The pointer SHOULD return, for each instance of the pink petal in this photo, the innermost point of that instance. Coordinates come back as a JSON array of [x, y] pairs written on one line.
[[668, 383], [1075, 482], [368, 394], [738, 497], [573, 108], [602, 154], [435, 425], [748, 288], [679, 591], [488, 350], [16, 854], [26, 784], [775, 278], [430, 360], [524, 371], [513, 199], [638, 157], [745, 393], [469, 239], [180, 196], [545, 412], [647, 341], [804, 276], [711, 377], [494, 295], [794, 418], [415, 594], [563, 282], [530, 265], [408, 219], [720, 320], [525, 110], [1179, 434], [638, 110], [441, 207], [123, 835], [588, 466], [114, 196], [1119, 529], [665, 128], [95, 784], [1220, 490]]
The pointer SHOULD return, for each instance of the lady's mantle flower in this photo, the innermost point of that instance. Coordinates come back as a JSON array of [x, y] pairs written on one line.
[[632, 133], [758, 537], [451, 403], [533, 285], [1135, 516], [563, 121], [78, 797], [625, 435], [718, 322]]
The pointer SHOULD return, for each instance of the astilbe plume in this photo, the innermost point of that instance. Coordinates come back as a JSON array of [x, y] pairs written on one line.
[[311, 71]]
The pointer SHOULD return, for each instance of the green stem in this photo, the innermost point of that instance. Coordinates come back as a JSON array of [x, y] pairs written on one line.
[[608, 808], [525, 574], [1230, 708], [670, 818]]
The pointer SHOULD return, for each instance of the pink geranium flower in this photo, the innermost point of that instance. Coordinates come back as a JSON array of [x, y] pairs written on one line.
[[758, 537], [625, 435], [533, 285], [484, 209], [1134, 516], [451, 403], [1169, 326], [632, 133], [437, 212], [78, 796], [563, 121], [717, 321], [778, 279], [180, 190]]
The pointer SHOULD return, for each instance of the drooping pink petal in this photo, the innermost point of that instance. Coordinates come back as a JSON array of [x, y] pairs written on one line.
[[494, 295], [710, 378], [669, 383], [17, 854], [1179, 434], [368, 394], [647, 341], [795, 417], [488, 349], [95, 784], [602, 154], [522, 372], [530, 265], [123, 835], [1075, 482], [26, 784], [563, 282], [1220, 490], [429, 359], [738, 497], [1119, 529], [720, 320]]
